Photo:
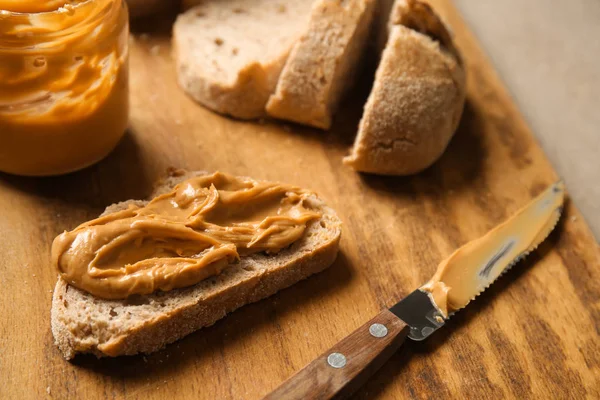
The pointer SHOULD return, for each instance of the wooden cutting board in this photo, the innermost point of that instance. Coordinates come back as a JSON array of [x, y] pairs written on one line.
[[534, 334]]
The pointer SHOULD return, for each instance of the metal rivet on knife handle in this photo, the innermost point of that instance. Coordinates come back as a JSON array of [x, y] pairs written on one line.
[[336, 360], [378, 330]]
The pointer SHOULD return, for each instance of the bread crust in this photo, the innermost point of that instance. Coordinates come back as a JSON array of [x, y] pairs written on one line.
[[417, 99], [323, 63], [82, 323]]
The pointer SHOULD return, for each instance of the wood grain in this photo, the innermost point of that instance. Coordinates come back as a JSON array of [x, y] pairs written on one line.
[[363, 354], [533, 335]]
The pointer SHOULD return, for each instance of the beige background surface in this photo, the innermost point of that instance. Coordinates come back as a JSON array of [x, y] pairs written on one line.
[[548, 54]]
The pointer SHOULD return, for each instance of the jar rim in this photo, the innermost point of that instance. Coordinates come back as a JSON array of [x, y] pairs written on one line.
[[24, 26], [57, 10]]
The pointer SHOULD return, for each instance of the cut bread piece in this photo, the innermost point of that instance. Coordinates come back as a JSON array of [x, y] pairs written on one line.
[[417, 98], [229, 53], [82, 323], [323, 64]]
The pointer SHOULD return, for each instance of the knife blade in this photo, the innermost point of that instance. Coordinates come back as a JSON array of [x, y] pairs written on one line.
[[459, 279]]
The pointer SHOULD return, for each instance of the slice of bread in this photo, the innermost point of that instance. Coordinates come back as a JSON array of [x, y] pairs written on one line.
[[229, 53], [417, 98], [82, 323], [323, 63]]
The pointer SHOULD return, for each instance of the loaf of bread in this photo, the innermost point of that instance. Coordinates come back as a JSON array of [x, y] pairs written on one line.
[[82, 323], [241, 57], [323, 63], [417, 99], [229, 53]]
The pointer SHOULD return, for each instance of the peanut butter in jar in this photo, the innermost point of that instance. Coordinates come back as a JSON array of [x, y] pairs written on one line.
[[64, 92]]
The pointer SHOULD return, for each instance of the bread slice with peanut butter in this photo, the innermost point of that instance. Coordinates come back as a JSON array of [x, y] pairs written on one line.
[[417, 99], [143, 323], [323, 63], [229, 53]]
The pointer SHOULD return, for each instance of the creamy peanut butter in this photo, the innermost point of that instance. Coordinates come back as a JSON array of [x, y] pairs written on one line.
[[474, 266], [181, 237], [35, 6], [63, 83]]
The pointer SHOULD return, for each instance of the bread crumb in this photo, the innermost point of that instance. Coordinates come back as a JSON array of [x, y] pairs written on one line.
[[144, 36], [281, 8], [234, 51], [573, 218], [238, 10], [218, 41], [200, 13], [155, 50], [48, 389], [178, 122]]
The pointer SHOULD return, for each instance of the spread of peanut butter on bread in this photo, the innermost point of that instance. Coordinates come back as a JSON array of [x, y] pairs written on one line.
[[470, 270], [183, 236]]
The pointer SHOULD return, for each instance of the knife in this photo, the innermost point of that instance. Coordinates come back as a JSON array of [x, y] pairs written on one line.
[[460, 278]]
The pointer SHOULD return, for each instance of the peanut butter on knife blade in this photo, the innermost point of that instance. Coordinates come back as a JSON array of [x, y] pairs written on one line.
[[181, 237], [474, 266]]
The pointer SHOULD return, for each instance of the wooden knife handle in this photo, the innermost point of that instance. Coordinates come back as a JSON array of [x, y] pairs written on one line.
[[347, 365]]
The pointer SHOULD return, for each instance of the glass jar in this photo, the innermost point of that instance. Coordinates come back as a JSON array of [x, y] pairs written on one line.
[[64, 86]]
